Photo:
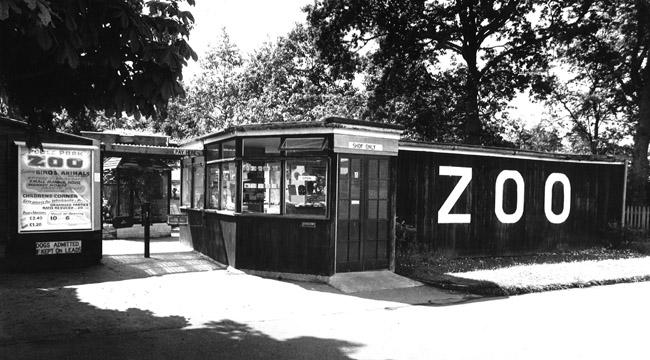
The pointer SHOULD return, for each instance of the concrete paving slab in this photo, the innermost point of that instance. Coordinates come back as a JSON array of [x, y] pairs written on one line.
[[136, 246], [418, 295], [354, 282]]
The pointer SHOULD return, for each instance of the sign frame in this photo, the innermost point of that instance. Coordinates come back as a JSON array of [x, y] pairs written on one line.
[[94, 198]]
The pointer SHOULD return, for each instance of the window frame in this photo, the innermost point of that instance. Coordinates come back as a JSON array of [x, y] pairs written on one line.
[[209, 166], [194, 166], [327, 162], [326, 155], [186, 169]]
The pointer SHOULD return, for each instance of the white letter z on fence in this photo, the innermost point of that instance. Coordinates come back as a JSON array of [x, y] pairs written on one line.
[[444, 217]]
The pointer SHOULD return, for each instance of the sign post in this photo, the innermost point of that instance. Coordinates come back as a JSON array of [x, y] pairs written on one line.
[[146, 217]]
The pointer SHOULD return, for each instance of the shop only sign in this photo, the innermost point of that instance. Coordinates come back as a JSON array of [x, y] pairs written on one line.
[[58, 247], [54, 189]]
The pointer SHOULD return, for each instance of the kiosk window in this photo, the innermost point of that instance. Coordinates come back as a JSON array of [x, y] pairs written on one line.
[[186, 187], [199, 177], [261, 146], [212, 152], [228, 186], [298, 145], [261, 187], [306, 187], [214, 174], [228, 149]]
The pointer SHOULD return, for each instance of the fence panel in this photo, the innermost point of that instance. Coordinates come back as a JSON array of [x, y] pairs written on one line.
[[638, 217]]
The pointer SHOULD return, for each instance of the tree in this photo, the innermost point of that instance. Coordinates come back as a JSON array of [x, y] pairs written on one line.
[[543, 136], [88, 55], [590, 111], [283, 80], [612, 44], [287, 81], [212, 100], [492, 47]]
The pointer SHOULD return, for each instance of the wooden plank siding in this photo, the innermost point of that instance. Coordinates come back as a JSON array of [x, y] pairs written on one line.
[[596, 201], [211, 234], [282, 244]]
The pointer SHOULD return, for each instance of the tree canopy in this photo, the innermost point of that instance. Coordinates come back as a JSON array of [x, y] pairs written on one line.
[[119, 56], [492, 48], [283, 80], [612, 44]]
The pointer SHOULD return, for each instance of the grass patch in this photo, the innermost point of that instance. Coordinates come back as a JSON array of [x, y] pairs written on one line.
[[508, 275]]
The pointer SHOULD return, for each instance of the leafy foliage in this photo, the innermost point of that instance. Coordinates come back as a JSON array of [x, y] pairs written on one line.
[[541, 137], [280, 81], [88, 55], [586, 107], [486, 50], [612, 44]]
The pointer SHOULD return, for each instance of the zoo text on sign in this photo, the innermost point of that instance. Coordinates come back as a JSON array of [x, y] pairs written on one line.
[[55, 188], [58, 247], [465, 174]]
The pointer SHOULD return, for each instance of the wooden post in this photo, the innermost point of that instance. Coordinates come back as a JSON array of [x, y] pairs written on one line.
[[146, 217]]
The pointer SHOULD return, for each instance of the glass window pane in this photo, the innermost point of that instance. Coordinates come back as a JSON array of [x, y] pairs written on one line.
[[214, 185], [383, 189], [199, 178], [373, 190], [306, 187], [344, 206], [229, 186], [261, 187], [383, 210], [186, 186], [297, 145], [228, 149], [261, 146], [383, 169], [372, 209], [372, 168], [212, 152], [355, 190]]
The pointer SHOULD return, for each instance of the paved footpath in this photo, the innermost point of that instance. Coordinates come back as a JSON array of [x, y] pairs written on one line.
[[180, 305]]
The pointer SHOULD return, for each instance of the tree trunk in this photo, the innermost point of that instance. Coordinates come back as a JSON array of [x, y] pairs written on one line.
[[472, 119], [639, 171]]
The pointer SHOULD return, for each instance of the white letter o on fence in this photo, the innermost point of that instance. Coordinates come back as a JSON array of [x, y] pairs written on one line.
[[548, 198], [498, 197]]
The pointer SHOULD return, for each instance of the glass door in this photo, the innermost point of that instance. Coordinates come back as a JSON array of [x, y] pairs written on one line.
[[363, 213]]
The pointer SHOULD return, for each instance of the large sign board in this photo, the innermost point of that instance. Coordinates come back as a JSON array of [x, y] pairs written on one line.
[[55, 188]]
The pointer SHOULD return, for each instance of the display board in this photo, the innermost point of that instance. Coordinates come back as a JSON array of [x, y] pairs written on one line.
[[55, 188]]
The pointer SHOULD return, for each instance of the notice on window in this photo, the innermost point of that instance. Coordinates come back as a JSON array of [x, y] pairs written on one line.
[[54, 189], [58, 247]]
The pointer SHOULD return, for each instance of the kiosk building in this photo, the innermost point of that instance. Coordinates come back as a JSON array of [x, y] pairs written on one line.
[[318, 198]]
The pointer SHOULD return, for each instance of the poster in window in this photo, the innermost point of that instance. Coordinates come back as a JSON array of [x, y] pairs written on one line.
[[54, 188]]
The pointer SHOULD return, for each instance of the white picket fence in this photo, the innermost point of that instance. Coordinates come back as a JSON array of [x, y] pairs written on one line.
[[637, 217]]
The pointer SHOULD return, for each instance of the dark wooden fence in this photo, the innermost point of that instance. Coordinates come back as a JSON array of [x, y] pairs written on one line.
[[596, 195]]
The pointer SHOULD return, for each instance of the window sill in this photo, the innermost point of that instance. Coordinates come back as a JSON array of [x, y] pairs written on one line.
[[220, 212], [260, 215]]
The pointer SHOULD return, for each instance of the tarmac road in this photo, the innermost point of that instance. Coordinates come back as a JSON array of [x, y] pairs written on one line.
[[120, 311]]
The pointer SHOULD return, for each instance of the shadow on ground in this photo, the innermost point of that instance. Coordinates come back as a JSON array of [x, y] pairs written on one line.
[[418, 295], [54, 324], [112, 268]]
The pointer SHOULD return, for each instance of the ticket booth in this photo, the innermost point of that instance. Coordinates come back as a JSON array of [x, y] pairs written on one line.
[[49, 200], [313, 198]]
